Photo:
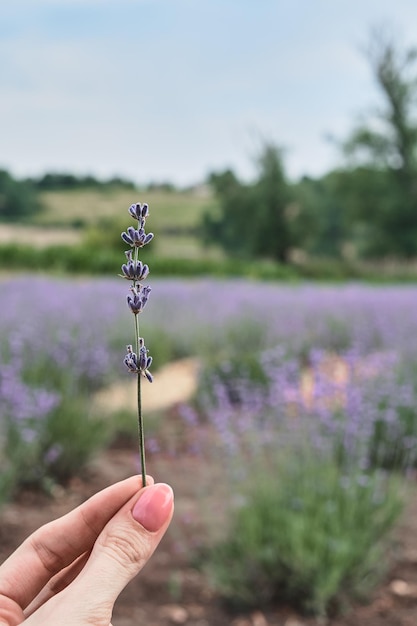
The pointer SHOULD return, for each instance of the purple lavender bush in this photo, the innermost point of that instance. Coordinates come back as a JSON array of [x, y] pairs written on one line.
[[24, 410], [49, 367], [137, 360], [310, 504], [313, 457], [366, 420]]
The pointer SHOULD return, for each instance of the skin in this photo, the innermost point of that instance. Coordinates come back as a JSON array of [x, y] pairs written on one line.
[[72, 570]]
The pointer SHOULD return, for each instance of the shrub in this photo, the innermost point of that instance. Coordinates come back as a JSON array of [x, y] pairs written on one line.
[[50, 364], [306, 534], [355, 407], [47, 434], [72, 434], [304, 449]]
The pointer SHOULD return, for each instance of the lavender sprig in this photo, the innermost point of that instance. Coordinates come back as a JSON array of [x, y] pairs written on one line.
[[137, 360]]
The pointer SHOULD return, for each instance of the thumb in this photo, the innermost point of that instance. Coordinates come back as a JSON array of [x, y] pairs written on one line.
[[121, 550]]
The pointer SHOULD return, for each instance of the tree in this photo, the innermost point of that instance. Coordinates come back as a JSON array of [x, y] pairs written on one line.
[[18, 199], [272, 193], [387, 146], [321, 225], [251, 220]]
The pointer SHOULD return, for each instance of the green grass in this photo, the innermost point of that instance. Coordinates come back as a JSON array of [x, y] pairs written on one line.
[[183, 247], [175, 217], [169, 210]]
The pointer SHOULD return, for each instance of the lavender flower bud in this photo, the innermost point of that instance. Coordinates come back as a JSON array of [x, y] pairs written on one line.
[[136, 238], [130, 360], [135, 270], [139, 211], [137, 301], [139, 365], [145, 291], [145, 362]]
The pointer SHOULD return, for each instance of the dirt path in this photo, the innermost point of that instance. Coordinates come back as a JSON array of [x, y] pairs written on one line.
[[172, 384], [39, 236]]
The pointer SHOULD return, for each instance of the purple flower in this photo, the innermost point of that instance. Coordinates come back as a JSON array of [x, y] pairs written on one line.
[[139, 211], [134, 270], [53, 453], [137, 362], [137, 301], [139, 365], [136, 237]]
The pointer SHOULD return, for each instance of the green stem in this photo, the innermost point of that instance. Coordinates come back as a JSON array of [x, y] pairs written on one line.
[[141, 433]]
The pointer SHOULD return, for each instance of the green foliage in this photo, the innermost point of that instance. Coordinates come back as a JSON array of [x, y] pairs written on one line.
[[78, 259], [72, 435], [324, 221], [272, 197], [106, 237], [368, 208], [393, 444], [65, 180], [231, 227], [18, 199], [49, 430], [252, 220], [389, 151], [306, 534], [106, 260], [57, 448], [227, 357]]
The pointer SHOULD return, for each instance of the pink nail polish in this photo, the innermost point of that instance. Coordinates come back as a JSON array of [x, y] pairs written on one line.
[[154, 506]]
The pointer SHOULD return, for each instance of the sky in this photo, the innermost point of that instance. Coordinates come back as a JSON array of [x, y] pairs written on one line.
[[171, 90]]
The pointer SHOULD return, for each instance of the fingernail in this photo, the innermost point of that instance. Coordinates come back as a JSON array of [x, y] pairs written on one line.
[[153, 506]]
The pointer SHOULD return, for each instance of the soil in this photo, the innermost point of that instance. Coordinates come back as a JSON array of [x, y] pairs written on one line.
[[172, 589]]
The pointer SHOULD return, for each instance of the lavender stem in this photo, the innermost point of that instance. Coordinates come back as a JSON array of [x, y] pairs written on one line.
[[141, 433], [137, 360]]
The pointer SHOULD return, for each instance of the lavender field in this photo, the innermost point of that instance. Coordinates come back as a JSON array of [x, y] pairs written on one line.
[[75, 325], [67, 337], [319, 373], [75, 331]]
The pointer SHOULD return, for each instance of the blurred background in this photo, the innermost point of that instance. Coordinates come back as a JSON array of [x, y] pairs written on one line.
[[275, 143], [303, 114]]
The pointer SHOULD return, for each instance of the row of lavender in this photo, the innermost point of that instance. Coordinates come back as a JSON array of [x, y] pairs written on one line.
[[60, 340]]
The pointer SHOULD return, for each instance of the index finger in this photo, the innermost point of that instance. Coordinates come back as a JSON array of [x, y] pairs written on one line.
[[57, 544]]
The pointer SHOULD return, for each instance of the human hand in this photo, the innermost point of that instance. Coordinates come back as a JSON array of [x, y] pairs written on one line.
[[71, 571]]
